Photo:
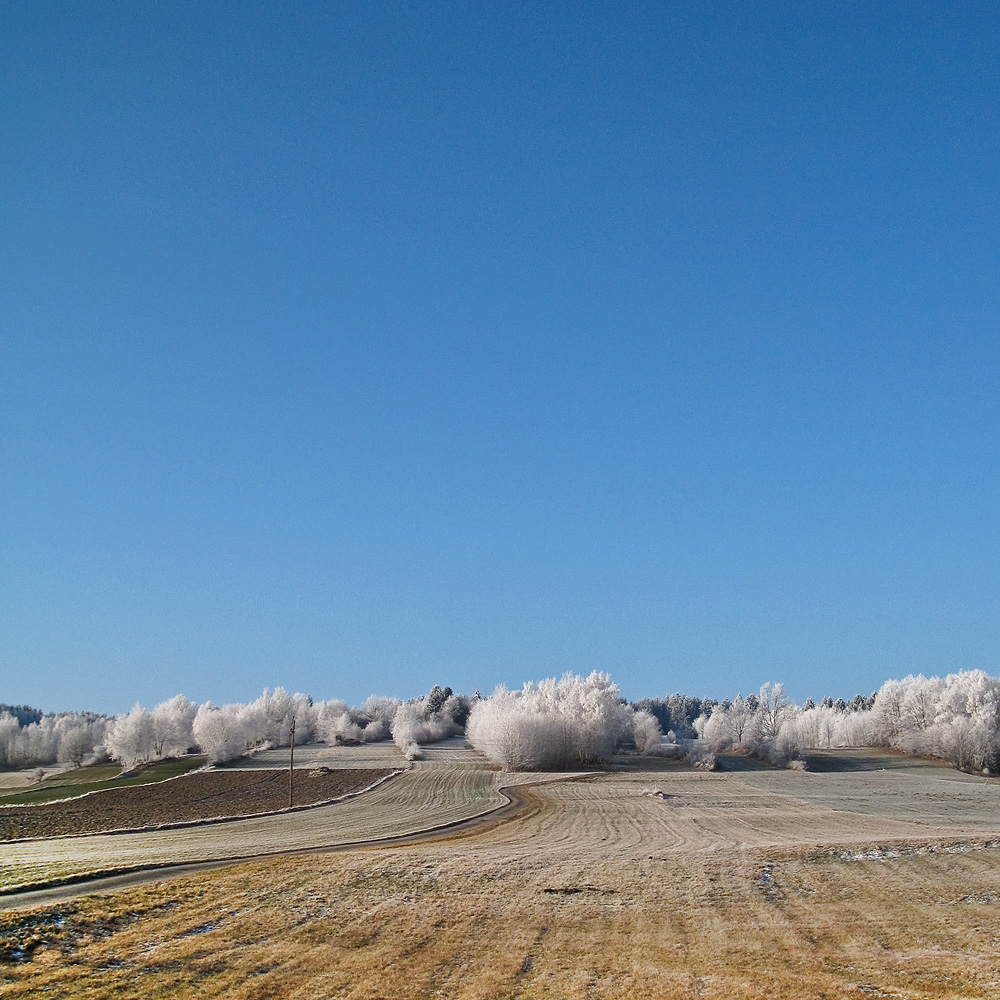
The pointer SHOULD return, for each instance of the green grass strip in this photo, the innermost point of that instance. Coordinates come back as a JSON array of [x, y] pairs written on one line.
[[96, 778]]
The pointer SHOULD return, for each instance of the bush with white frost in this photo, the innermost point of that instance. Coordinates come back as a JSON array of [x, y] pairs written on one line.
[[367, 723], [956, 718], [413, 724], [269, 718], [131, 738], [335, 723], [552, 725], [764, 725], [222, 733], [172, 721], [39, 740], [76, 746], [646, 732]]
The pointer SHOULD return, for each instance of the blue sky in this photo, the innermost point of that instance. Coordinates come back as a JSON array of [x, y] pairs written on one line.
[[360, 347]]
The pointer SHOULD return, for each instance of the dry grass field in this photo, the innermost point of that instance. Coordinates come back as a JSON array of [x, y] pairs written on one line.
[[871, 876]]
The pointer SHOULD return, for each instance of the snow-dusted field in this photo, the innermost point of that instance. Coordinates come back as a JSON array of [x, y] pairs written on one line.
[[452, 784], [642, 808], [383, 754]]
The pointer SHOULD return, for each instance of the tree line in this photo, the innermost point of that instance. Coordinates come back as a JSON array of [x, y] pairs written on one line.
[[552, 724], [956, 718], [225, 733]]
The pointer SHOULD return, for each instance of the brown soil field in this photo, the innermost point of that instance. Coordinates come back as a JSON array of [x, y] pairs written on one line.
[[192, 798]]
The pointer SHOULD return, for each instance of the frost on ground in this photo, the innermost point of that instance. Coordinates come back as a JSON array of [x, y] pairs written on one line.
[[914, 851], [193, 797], [451, 785], [628, 883]]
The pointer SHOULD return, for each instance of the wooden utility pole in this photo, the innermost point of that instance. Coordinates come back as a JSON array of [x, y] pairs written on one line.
[[291, 767]]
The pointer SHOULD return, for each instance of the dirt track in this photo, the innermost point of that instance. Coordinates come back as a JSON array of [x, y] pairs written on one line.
[[519, 802]]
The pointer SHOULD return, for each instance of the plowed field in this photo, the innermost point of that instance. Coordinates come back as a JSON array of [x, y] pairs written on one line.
[[194, 797]]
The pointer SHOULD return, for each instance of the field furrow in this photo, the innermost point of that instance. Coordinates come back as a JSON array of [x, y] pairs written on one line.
[[448, 787]]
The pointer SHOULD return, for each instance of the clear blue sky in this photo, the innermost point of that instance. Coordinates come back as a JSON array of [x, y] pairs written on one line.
[[359, 347]]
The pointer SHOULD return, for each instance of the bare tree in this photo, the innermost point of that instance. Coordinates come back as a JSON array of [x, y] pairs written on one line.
[[773, 707]]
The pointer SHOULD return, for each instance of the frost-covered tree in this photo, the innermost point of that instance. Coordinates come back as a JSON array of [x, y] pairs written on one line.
[[221, 733], [966, 726], [335, 723], [377, 714], [676, 712], [10, 729], [414, 724], [436, 716], [76, 745], [24, 714], [172, 721], [131, 739], [551, 725], [773, 708], [764, 725], [823, 726], [369, 722], [39, 743], [274, 711], [646, 732], [304, 713], [887, 716], [267, 722], [739, 719], [956, 718], [409, 728]]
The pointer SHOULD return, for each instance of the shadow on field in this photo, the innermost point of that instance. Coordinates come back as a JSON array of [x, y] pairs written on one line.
[[839, 761], [642, 764], [829, 761], [741, 762]]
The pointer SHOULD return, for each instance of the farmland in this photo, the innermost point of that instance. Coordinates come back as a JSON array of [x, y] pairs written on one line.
[[197, 797], [19, 789], [869, 875], [451, 785]]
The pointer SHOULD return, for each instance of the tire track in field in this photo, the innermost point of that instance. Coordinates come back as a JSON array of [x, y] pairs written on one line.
[[629, 818]]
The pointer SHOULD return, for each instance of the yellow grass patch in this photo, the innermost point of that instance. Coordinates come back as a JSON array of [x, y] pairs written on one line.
[[425, 921]]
